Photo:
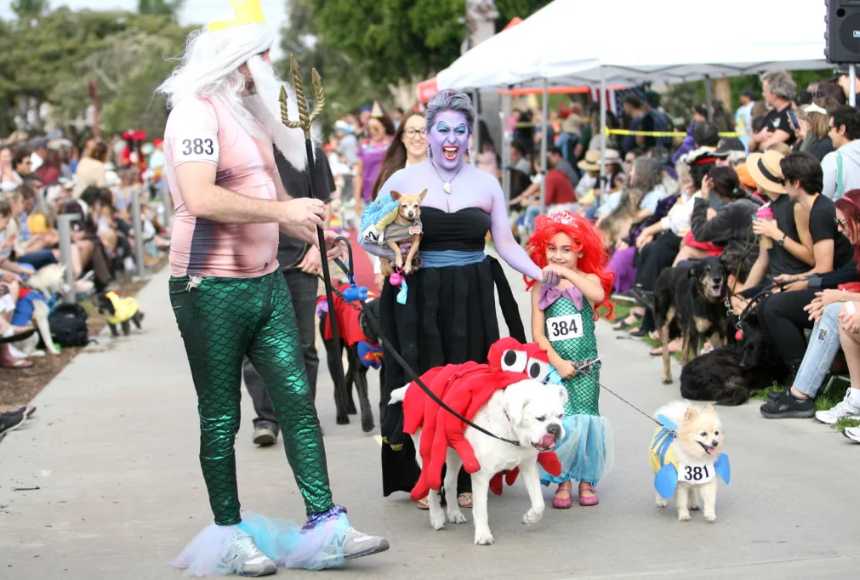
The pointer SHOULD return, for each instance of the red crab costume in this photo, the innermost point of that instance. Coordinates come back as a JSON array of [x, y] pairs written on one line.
[[466, 388]]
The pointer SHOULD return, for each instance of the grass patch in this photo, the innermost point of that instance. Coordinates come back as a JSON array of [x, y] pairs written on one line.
[[761, 394], [843, 424]]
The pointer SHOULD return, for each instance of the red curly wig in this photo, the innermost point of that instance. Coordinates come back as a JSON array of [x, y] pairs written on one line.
[[586, 240]]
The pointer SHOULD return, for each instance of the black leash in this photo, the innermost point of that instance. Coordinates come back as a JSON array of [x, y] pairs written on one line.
[[350, 273]]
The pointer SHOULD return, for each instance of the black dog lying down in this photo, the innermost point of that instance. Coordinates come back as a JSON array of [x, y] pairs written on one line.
[[356, 373], [728, 374], [688, 303]]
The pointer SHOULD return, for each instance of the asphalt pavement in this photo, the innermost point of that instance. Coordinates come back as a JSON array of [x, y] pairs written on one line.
[[104, 482]]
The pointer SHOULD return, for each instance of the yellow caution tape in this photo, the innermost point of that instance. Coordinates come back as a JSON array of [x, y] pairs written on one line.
[[627, 132]]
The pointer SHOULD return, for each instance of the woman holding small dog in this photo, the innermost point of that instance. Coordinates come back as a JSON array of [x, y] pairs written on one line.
[[563, 325], [448, 314]]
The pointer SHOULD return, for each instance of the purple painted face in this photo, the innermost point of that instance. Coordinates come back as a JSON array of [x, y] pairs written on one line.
[[449, 139]]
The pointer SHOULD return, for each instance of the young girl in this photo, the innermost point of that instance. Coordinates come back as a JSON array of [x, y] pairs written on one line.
[[563, 324]]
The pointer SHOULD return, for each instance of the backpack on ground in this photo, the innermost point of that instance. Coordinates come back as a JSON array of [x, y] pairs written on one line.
[[68, 324]]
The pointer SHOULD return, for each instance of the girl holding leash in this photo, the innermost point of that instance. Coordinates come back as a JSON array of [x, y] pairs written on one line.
[[563, 319]]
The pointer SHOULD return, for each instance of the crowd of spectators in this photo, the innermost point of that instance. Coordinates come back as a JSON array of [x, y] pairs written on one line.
[[775, 190], [44, 177]]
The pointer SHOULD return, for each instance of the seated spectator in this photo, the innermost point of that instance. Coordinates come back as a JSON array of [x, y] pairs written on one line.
[[557, 161], [824, 341], [9, 178], [780, 248], [732, 223], [849, 338], [842, 167], [812, 132], [22, 163], [722, 181], [646, 179], [558, 193], [782, 315], [780, 123], [590, 168], [32, 249], [608, 193], [91, 169], [658, 244]]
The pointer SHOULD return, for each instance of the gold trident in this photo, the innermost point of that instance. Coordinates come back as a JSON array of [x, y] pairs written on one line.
[[305, 118]]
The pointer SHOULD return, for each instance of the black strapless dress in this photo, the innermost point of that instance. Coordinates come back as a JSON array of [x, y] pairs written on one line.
[[449, 317]]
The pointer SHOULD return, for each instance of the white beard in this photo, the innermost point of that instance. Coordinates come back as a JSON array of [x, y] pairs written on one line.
[[265, 107]]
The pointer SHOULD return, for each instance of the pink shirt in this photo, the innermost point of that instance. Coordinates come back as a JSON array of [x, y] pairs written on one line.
[[205, 130]]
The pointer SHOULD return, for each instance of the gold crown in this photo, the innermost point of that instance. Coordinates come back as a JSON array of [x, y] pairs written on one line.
[[247, 12]]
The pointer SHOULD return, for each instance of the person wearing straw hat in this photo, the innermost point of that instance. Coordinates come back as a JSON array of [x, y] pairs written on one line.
[[230, 300], [785, 244]]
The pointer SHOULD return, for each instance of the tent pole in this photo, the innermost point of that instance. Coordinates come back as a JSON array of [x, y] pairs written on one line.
[[505, 151], [603, 135], [852, 85], [709, 98], [544, 144], [476, 129]]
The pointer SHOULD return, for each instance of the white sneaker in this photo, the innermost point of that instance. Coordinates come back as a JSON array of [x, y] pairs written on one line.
[[358, 544], [245, 558], [852, 433], [842, 410]]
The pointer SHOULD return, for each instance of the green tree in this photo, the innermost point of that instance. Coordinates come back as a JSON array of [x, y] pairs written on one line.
[[508, 9], [160, 7], [53, 59], [26, 9], [346, 80], [396, 40]]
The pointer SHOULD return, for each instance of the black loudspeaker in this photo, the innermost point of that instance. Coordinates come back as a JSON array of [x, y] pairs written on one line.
[[842, 32]]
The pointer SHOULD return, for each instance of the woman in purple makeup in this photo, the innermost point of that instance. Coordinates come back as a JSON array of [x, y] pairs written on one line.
[[450, 312]]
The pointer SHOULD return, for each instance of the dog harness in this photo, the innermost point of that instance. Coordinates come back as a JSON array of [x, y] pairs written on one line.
[[669, 470]]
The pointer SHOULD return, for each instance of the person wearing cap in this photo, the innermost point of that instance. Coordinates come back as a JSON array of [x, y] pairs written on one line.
[[842, 167], [231, 301], [813, 131], [785, 245]]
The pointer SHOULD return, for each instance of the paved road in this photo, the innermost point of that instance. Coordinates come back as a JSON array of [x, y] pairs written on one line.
[[113, 449]]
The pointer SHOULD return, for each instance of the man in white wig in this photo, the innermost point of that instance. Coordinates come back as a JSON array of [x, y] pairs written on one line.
[[230, 300]]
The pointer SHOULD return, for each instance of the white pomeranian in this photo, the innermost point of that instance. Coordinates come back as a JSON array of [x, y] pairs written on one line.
[[686, 457]]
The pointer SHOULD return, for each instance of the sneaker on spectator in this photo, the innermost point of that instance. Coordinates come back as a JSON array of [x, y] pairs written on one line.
[[847, 408], [788, 407], [12, 420], [852, 433], [265, 435]]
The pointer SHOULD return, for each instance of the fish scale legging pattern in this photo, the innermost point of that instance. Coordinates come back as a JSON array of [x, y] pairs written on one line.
[[221, 321]]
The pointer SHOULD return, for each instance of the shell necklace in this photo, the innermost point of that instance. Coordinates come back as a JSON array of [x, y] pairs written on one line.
[[447, 185]]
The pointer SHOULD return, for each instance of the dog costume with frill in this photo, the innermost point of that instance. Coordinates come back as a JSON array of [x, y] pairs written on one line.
[[668, 469]]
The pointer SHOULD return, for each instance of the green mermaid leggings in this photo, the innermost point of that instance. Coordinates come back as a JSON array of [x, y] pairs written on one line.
[[221, 321]]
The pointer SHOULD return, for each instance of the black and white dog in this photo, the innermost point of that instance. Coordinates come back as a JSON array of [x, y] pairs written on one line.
[[689, 303]]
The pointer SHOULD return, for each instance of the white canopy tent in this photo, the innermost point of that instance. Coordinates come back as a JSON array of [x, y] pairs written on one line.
[[631, 41], [635, 41]]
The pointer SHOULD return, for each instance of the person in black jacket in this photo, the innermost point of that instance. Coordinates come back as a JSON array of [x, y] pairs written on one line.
[[732, 223]]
